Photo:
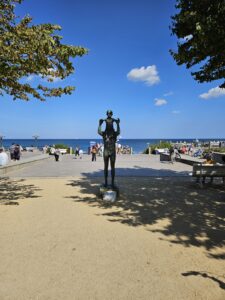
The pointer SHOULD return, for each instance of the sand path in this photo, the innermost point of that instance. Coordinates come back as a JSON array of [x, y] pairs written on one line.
[[62, 243]]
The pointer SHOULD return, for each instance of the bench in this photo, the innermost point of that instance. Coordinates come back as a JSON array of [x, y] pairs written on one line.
[[204, 170]]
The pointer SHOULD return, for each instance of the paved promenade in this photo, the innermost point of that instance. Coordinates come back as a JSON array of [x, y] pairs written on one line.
[[163, 238], [126, 165]]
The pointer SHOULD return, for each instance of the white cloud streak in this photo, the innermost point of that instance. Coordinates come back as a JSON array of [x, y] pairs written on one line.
[[168, 94], [175, 112], [160, 102], [213, 93], [149, 75]]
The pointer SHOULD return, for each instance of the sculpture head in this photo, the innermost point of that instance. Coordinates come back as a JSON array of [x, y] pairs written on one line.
[[109, 113]]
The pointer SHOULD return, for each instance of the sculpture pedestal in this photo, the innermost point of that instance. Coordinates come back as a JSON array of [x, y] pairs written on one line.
[[109, 193]]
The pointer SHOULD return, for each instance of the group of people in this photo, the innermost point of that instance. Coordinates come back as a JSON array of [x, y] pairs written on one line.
[[189, 149], [98, 149], [15, 151], [120, 149], [78, 152]]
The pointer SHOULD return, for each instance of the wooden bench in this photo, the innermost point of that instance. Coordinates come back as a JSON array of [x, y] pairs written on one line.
[[211, 171]]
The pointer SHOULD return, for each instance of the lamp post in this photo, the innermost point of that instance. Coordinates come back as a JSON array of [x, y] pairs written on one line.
[[1, 139], [36, 138]]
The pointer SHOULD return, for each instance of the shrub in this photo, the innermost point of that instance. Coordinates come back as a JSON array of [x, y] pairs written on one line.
[[161, 145]]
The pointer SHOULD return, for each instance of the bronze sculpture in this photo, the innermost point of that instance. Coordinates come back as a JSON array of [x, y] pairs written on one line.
[[109, 136]]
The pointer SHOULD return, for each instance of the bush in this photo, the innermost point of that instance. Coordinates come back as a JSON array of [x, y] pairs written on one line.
[[60, 146], [161, 145]]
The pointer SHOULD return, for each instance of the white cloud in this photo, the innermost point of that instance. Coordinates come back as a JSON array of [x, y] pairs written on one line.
[[213, 93], [186, 38], [160, 102], [175, 112], [149, 75], [168, 94]]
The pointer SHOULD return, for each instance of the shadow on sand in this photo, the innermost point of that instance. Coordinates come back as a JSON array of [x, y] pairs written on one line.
[[13, 190], [205, 275], [191, 216]]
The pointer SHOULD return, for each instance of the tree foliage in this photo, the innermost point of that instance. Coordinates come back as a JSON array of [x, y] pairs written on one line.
[[27, 49], [200, 26]]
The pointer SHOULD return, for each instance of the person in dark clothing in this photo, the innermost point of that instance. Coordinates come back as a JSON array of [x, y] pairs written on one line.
[[93, 152], [17, 152], [11, 151], [171, 151], [56, 154], [77, 151]]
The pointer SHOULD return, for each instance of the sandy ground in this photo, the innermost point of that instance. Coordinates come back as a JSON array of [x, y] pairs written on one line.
[[164, 238]]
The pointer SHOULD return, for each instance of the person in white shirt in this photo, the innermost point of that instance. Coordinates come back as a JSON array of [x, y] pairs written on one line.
[[4, 159], [81, 152]]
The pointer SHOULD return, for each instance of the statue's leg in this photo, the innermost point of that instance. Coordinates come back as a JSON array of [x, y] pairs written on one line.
[[106, 165], [112, 163]]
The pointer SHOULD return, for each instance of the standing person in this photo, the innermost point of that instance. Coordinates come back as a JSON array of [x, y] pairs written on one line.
[[11, 151], [81, 153], [93, 152], [171, 151], [57, 154], [17, 152], [101, 150], [119, 146], [176, 153], [76, 151], [4, 160]]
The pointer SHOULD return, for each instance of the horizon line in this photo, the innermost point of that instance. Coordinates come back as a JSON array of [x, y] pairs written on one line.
[[122, 138]]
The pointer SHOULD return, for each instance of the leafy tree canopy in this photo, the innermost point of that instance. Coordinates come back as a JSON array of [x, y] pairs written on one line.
[[200, 26], [27, 49]]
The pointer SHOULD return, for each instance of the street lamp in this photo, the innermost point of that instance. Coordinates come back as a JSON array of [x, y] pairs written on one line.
[[36, 138], [1, 139]]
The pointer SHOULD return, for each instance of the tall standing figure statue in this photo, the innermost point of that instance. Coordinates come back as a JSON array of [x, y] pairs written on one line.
[[109, 136]]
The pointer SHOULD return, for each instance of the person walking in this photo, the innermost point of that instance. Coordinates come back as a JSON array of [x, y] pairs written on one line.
[[57, 154], [93, 152]]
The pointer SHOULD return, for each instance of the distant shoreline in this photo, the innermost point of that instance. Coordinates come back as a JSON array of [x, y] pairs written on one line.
[[137, 145]]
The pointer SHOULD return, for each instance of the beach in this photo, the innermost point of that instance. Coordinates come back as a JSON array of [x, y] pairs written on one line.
[[163, 238]]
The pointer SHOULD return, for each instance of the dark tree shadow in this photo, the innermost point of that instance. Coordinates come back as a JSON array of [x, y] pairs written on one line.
[[193, 216], [13, 190], [205, 275]]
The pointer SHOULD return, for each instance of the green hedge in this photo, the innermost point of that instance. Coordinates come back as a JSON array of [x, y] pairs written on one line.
[[161, 145], [61, 146]]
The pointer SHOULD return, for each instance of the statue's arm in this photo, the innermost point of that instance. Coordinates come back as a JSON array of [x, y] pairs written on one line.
[[118, 127], [100, 127]]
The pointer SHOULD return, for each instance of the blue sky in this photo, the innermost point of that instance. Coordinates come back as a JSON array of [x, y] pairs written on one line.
[[128, 69]]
